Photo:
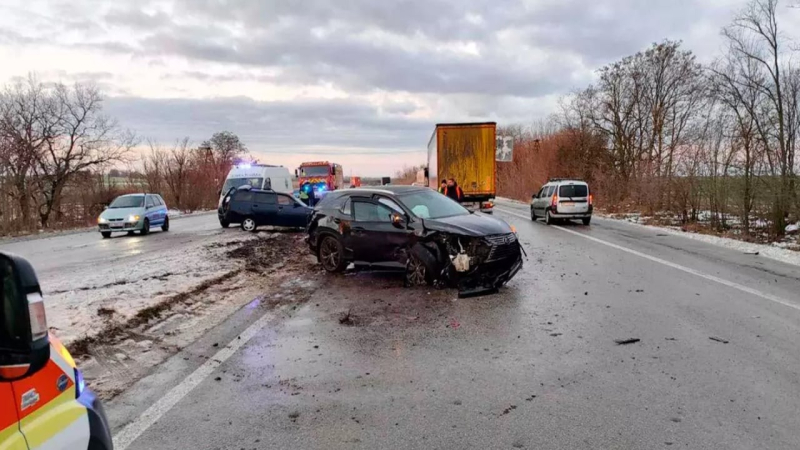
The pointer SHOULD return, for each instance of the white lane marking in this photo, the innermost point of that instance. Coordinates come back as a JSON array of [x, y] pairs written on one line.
[[716, 279], [134, 429]]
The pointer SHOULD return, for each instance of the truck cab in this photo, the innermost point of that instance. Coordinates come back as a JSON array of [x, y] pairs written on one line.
[[44, 401], [321, 176]]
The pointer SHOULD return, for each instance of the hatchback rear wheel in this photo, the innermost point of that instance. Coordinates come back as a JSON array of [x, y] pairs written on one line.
[[331, 254], [548, 219], [248, 224]]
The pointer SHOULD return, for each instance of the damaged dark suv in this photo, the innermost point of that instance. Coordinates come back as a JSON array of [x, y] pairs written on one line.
[[436, 240]]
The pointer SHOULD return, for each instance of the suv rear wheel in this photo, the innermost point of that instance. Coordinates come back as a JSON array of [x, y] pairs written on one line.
[[548, 219], [533, 214], [331, 254]]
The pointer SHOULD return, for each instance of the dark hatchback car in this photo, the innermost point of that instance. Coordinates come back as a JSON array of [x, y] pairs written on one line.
[[435, 239], [255, 207]]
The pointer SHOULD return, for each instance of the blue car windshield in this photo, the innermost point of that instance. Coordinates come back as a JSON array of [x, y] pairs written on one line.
[[128, 201]]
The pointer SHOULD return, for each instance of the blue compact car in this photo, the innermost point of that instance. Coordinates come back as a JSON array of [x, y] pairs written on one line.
[[134, 212]]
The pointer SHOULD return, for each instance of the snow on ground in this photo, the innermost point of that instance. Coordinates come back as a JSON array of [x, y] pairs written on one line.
[[77, 301]]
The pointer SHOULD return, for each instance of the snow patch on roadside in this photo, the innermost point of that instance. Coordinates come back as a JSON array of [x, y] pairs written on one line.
[[78, 301]]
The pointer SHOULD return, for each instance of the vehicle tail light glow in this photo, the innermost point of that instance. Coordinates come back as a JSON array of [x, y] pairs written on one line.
[[37, 316], [554, 201], [591, 199]]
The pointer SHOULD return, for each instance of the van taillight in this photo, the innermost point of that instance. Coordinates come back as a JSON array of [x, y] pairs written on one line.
[[591, 199], [554, 202]]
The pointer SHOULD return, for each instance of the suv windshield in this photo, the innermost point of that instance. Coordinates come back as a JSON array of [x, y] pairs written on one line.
[[573, 190], [429, 204], [129, 201]]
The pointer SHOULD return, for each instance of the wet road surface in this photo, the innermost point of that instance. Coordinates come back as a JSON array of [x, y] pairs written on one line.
[[62, 253], [535, 366]]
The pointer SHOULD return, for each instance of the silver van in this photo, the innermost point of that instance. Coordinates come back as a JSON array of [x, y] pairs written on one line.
[[562, 199]]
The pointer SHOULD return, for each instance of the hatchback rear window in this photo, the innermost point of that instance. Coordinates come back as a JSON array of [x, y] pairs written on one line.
[[573, 190]]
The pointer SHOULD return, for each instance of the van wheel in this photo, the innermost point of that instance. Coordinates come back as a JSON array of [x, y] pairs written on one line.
[[587, 220], [105, 234], [165, 227], [145, 227], [533, 214], [248, 224], [331, 255], [548, 219]]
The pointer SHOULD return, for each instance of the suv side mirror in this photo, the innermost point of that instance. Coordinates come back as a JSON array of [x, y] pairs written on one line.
[[399, 220], [24, 342]]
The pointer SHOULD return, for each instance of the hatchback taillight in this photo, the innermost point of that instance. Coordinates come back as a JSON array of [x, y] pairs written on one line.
[[591, 199], [554, 201]]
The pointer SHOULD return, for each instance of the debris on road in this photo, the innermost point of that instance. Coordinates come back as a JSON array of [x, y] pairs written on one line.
[[347, 319], [509, 409], [670, 339], [556, 334], [626, 341], [713, 338], [751, 253]]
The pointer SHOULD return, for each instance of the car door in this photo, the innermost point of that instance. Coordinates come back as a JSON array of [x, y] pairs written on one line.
[[265, 208], [374, 237], [241, 206], [291, 213], [153, 211]]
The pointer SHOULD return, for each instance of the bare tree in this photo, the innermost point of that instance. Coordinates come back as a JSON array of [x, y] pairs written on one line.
[[82, 139], [222, 150], [755, 42], [26, 125], [177, 165]]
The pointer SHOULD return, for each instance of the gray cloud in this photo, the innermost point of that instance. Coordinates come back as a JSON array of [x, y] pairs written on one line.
[[271, 125]]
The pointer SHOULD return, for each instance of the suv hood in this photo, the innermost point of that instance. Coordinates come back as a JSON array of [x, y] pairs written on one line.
[[121, 213], [468, 225]]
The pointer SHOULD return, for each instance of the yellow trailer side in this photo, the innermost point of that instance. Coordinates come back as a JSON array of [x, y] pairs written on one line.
[[465, 152]]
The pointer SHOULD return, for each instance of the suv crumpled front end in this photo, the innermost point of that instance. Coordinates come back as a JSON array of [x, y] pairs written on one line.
[[475, 253]]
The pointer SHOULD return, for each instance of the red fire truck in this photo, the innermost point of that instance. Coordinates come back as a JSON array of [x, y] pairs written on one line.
[[322, 176]]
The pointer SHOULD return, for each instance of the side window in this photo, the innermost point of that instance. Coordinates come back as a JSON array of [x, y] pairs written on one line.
[[540, 193], [244, 196], [11, 329], [391, 204], [264, 197], [159, 201], [347, 208], [149, 202], [284, 200], [371, 212], [550, 190], [268, 183]]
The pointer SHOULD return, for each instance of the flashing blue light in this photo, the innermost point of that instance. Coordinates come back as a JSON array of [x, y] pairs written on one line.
[[80, 383], [245, 166]]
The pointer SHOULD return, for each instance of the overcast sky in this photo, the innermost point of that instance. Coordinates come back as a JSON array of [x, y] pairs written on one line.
[[360, 82]]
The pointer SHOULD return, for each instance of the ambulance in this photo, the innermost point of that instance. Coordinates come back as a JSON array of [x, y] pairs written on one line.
[[44, 401]]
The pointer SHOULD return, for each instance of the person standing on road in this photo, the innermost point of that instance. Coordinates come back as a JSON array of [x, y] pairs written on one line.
[[304, 193], [453, 190], [312, 197]]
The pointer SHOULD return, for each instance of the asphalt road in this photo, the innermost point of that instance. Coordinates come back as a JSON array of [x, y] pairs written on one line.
[[534, 367], [54, 254]]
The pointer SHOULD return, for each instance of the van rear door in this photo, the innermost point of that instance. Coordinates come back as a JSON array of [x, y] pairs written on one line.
[[10, 436], [573, 198]]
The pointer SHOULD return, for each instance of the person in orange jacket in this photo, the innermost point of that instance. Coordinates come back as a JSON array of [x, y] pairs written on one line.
[[453, 190]]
